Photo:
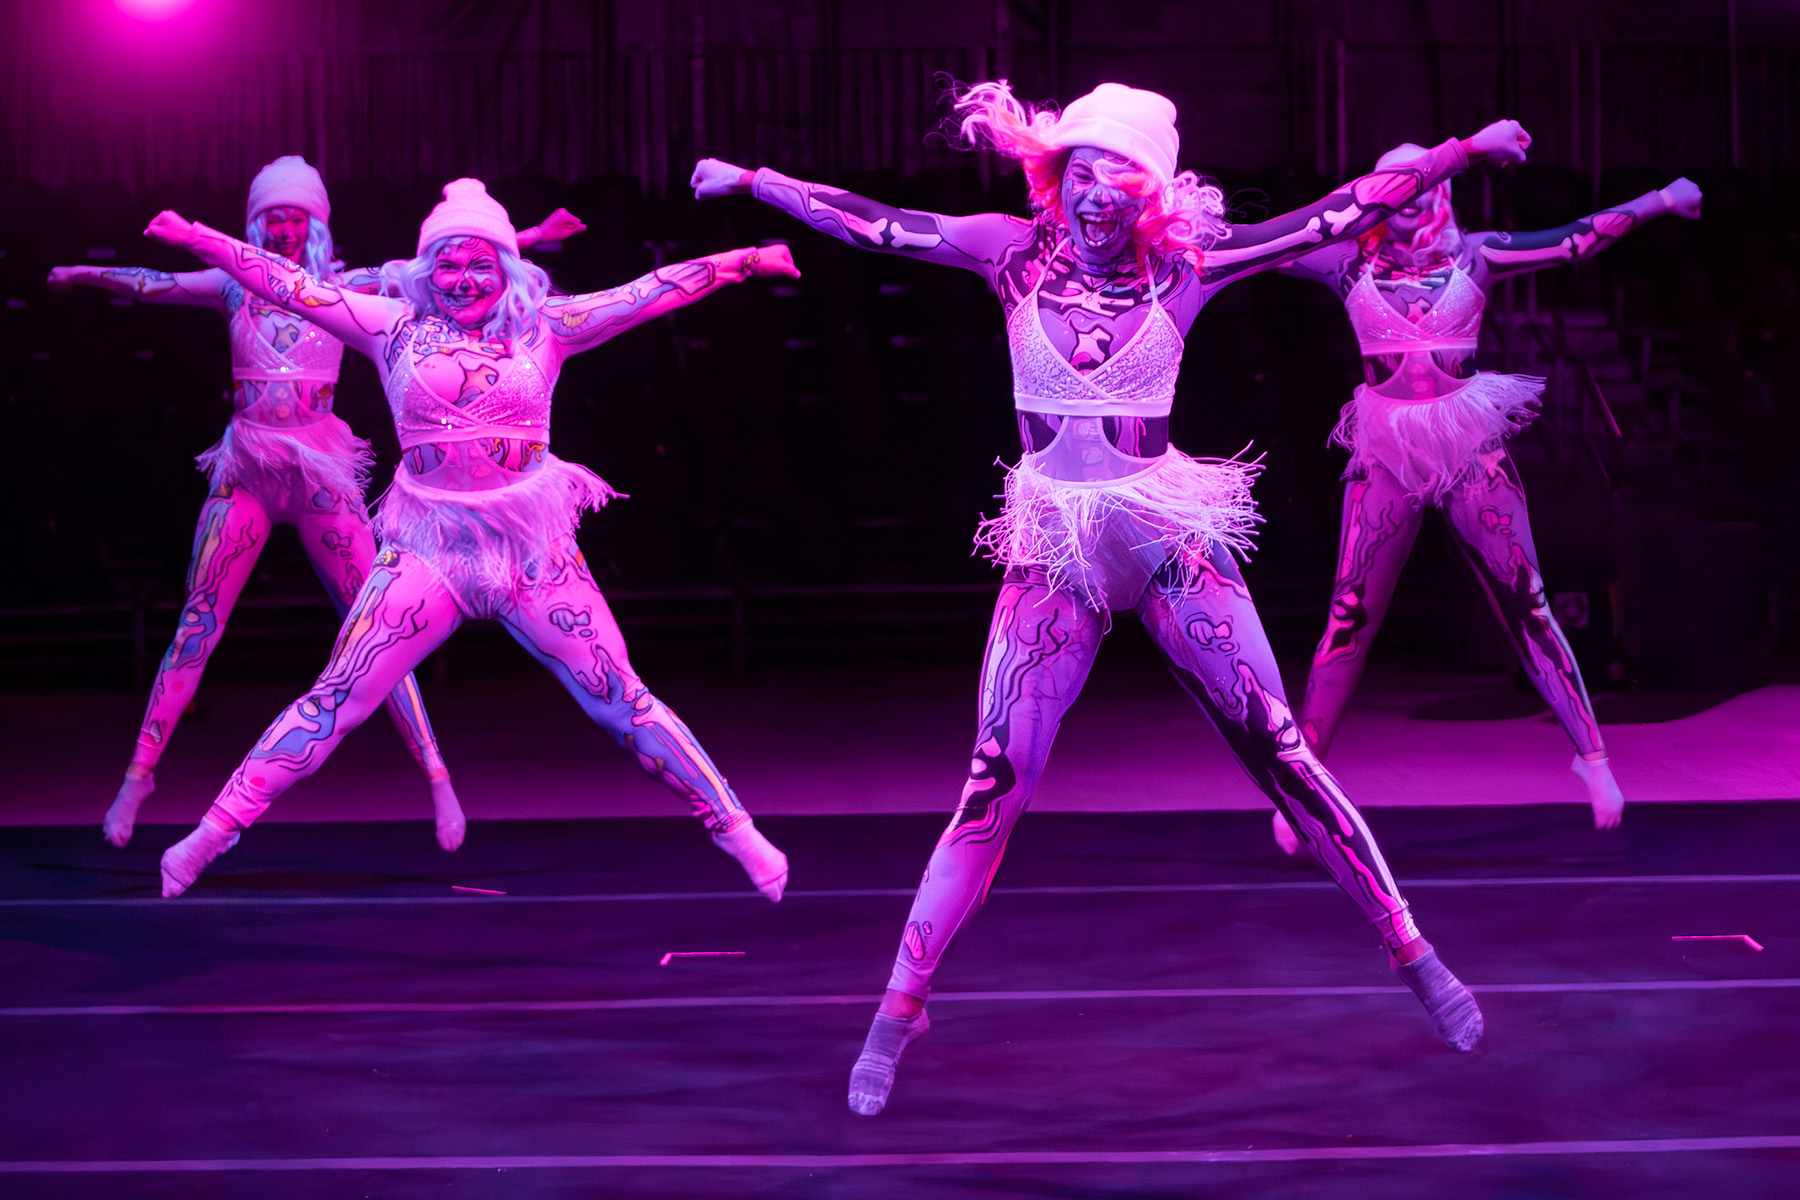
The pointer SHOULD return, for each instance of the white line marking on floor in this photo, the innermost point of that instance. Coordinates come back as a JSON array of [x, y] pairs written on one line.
[[813, 1162], [355, 1007], [191, 901]]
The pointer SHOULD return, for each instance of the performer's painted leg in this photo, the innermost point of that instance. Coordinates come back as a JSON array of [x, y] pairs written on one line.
[[564, 622], [341, 546], [1213, 639], [1487, 515], [403, 612], [232, 530], [1040, 648], [1380, 524]]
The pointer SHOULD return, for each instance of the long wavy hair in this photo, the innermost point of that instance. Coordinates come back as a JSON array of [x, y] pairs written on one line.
[[1440, 239], [317, 257], [1180, 220], [516, 316]]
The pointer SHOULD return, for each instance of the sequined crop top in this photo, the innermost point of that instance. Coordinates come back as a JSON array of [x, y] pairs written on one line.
[[1453, 323], [518, 406], [1138, 381], [313, 358]]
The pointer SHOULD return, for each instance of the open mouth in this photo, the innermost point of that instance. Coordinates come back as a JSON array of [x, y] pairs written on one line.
[[1098, 230]]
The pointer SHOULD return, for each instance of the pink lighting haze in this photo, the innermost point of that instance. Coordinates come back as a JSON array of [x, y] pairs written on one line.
[[154, 10]]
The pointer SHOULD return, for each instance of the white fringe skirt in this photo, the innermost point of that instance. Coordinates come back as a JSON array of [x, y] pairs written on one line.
[[294, 462], [1103, 541], [490, 544], [1431, 445]]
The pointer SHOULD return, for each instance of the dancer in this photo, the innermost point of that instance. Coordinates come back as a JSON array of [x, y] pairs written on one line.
[[1101, 513], [285, 459], [1426, 430], [480, 520]]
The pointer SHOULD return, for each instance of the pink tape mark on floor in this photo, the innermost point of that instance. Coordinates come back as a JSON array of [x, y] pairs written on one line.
[[1718, 937], [674, 954]]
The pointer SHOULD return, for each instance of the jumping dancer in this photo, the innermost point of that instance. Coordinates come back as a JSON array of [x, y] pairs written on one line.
[[285, 459], [480, 520], [1427, 430], [1101, 513]]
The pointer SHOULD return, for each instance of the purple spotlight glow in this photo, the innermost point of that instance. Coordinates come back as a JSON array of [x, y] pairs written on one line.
[[153, 10]]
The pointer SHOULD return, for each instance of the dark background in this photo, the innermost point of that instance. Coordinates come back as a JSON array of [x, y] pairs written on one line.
[[806, 464]]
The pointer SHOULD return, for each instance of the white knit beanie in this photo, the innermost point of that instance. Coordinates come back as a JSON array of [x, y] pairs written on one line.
[[1130, 122], [288, 182], [469, 211]]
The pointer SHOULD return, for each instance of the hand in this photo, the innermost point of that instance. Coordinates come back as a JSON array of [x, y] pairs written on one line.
[[1683, 198], [560, 225], [755, 261], [63, 279], [171, 227], [714, 177], [1503, 141]]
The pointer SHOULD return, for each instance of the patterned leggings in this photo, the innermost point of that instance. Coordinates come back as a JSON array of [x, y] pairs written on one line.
[[233, 529], [406, 609], [1486, 514], [1040, 647]]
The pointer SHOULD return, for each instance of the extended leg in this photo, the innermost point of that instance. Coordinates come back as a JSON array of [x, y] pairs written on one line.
[[1488, 516], [1214, 642], [1380, 525], [1375, 537], [341, 546], [1040, 648], [564, 622], [230, 535], [403, 612]]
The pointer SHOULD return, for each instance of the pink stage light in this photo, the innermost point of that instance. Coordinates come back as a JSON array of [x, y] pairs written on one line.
[[153, 10]]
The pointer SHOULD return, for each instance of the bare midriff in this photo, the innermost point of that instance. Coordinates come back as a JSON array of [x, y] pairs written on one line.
[[474, 464]]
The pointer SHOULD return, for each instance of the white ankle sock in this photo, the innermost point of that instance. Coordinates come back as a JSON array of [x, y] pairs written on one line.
[[872, 1078], [451, 826], [1604, 796], [766, 866], [122, 816], [183, 862]]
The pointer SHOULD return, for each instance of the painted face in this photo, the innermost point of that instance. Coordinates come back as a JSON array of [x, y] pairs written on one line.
[[285, 230], [1426, 211], [467, 279], [1101, 216]]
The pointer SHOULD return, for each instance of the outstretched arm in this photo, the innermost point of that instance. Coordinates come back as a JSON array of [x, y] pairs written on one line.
[[1354, 208], [1499, 254], [207, 289], [980, 243], [362, 322], [582, 322], [1334, 265]]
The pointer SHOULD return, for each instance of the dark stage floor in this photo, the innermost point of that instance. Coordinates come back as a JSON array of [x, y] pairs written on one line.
[[1154, 1004]]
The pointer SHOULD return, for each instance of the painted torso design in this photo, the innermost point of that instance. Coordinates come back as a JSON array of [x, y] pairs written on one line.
[[1422, 348], [285, 369], [1138, 380], [470, 414], [1452, 322]]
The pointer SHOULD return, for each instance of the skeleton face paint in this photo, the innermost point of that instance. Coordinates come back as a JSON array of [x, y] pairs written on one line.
[[285, 229], [1101, 215], [467, 280]]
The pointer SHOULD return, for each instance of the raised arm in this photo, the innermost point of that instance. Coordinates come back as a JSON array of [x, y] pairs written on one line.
[[207, 289], [1355, 208], [558, 226], [1498, 254], [979, 243], [362, 322], [582, 322]]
